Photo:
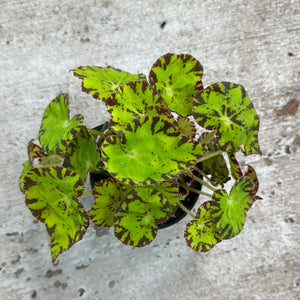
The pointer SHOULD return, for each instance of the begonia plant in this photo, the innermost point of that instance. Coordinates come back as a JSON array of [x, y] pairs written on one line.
[[165, 132]]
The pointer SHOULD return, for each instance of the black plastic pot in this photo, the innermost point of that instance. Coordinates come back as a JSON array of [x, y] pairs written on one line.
[[179, 214]]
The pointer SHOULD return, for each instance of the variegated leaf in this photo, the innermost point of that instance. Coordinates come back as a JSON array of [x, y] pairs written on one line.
[[26, 167], [229, 211], [134, 100], [216, 166], [101, 82], [186, 127], [201, 234], [177, 78], [51, 196], [82, 154], [235, 169], [108, 196], [226, 108], [135, 221], [150, 150], [35, 151], [57, 130]]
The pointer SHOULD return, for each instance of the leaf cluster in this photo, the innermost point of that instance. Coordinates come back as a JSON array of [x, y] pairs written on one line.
[[147, 156]]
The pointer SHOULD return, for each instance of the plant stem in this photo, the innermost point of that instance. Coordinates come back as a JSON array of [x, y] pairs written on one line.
[[108, 132], [206, 194], [204, 183], [205, 176], [209, 155], [88, 193], [186, 210], [195, 190], [201, 173], [96, 132]]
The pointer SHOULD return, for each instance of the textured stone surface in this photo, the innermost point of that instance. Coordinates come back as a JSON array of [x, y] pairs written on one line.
[[255, 43]]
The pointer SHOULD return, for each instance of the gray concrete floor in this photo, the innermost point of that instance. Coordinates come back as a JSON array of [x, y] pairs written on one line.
[[255, 43]]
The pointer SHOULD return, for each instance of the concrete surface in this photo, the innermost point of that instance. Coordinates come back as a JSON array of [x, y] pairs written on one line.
[[255, 43]]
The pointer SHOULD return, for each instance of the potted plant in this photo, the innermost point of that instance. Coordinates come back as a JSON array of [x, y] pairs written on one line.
[[149, 157]]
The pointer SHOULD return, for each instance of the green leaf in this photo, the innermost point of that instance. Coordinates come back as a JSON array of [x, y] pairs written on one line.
[[39, 158], [135, 221], [186, 127], [150, 150], [27, 166], [236, 173], [56, 129], [34, 151], [252, 175], [102, 129], [177, 78], [226, 108], [133, 100], [52, 198], [82, 154], [108, 194], [229, 211], [201, 234], [51, 160], [169, 190], [101, 82], [215, 166], [235, 168], [207, 137]]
